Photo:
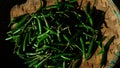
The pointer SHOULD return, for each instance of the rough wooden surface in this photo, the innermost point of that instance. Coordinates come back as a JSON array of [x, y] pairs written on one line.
[[111, 28], [29, 7]]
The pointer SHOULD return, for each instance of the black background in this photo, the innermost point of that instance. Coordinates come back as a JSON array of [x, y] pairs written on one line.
[[7, 58]]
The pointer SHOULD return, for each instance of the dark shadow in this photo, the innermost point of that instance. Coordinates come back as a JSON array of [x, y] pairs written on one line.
[[117, 65], [7, 58], [98, 19], [117, 3], [106, 49]]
